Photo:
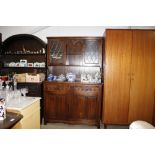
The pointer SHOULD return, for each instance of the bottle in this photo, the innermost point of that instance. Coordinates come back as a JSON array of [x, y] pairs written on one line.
[[2, 109], [14, 82]]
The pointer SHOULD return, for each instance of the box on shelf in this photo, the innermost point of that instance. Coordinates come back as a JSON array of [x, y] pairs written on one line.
[[35, 77], [20, 77], [30, 77]]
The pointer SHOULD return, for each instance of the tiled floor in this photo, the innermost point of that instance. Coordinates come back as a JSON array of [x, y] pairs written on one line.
[[68, 126]]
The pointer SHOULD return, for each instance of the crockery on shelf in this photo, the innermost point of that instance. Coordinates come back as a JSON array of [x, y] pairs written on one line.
[[17, 64], [30, 64], [61, 78], [2, 109], [50, 77], [36, 64], [23, 63], [12, 64], [70, 77], [42, 64]]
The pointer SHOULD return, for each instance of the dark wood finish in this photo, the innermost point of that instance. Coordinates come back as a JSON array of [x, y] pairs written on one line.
[[142, 76], [116, 76], [56, 101], [11, 120], [56, 51], [93, 52], [80, 54], [21, 47], [75, 51], [73, 103]]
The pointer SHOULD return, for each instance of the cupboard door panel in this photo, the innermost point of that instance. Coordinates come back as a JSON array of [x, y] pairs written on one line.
[[93, 52], [62, 107], [143, 76], [51, 106], [56, 51], [56, 107], [77, 109], [74, 51], [92, 108], [87, 108], [117, 78]]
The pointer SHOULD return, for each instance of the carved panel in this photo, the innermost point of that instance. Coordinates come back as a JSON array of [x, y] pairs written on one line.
[[86, 90], [51, 107], [75, 46], [77, 109], [57, 106], [57, 88], [72, 103], [92, 107]]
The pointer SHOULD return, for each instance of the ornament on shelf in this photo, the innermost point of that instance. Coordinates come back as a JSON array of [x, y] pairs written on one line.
[[90, 78]]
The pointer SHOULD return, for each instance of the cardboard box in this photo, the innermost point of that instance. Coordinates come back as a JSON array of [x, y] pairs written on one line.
[[35, 77], [32, 78], [20, 77]]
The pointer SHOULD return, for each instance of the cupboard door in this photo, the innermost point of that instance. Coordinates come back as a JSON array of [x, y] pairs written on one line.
[[74, 51], [93, 52], [117, 78], [56, 107], [57, 98], [87, 108], [56, 51], [85, 105], [143, 76], [50, 108], [93, 112], [77, 109]]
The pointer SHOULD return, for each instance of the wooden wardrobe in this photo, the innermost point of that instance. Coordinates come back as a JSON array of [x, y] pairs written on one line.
[[129, 76]]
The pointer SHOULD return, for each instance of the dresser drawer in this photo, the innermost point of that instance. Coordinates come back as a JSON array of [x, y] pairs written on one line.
[[86, 90], [57, 88]]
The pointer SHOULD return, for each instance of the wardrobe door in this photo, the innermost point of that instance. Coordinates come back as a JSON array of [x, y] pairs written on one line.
[[117, 76], [143, 76]]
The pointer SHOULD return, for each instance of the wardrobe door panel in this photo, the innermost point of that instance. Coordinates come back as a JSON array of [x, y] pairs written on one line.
[[117, 76], [143, 76]]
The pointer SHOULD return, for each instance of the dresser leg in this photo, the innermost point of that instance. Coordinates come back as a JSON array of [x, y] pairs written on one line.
[[45, 122], [105, 126], [98, 126]]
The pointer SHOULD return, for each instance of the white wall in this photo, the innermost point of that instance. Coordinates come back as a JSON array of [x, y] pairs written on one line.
[[72, 31], [8, 31], [46, 31]]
